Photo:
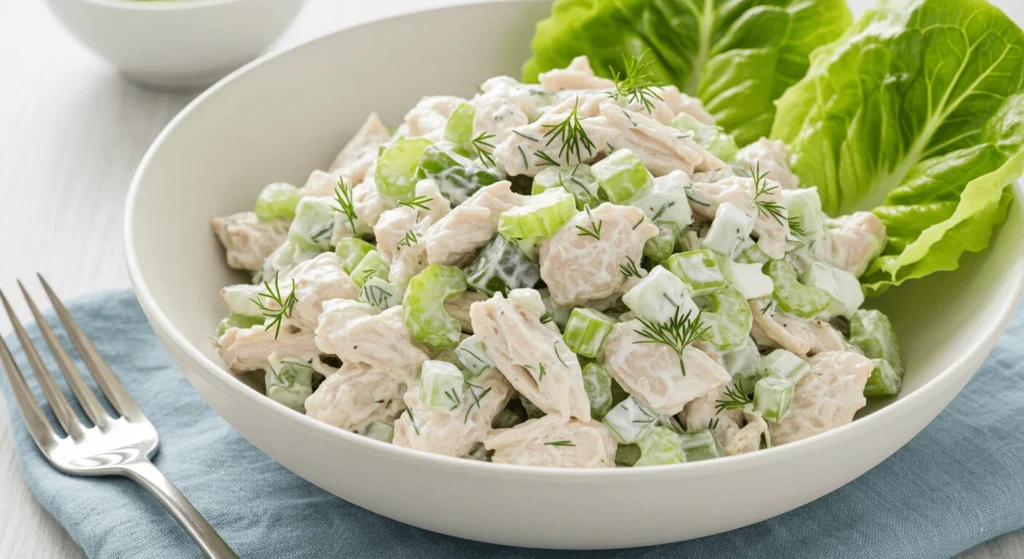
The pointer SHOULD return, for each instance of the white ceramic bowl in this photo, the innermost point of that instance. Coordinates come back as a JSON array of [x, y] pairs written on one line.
[[249, 131], [176, 43]]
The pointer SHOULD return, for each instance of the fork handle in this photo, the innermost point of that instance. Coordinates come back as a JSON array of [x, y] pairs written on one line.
[[156, 483]]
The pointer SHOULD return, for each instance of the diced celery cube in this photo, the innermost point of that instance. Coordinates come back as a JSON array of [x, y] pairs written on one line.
[[473, 356], [659, 296], [289, 382], [842, 286], [621, 175], [884, 380], [528, 299], [379, 430], [540, 216], [806, 218], [457, 177], [425, 316], [627, 455], [313, 223], [459, 129], [727, 317], [793, 296], [748, 279], [277, 201], [500, 267], [785, 365], [241, 299], [700, 445], [664, 200], [371, 266], [238, 321], [658, 446], [871, 331], [379, 293], [772, 396], [587, 330], [747, 252], [744, 364], [699, 271], [730, 227], [396, 168], [441, 385], [710, 137], [578, 180], [598, 384], [351, 251], [628, 419], [662, 245]]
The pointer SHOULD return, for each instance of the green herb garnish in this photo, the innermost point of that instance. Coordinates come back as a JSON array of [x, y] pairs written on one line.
[[677, 333], [284, 304]]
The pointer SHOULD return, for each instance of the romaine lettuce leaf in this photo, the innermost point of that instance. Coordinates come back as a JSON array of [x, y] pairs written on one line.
[[737, 56], [918, 112]]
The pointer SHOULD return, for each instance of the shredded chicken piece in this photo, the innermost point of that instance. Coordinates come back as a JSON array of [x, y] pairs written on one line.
[[579, 269], [826, 398], [652, 372], [554, 442], [456, 237], [248, 240], [771, 231], [394, 225], [458, 308], [738, 431], [504, 104], [317, 280], [578, 75], [798, 336], [355, 333], [354, 396], [248, 349], [430, 116], [531, 355], [360, 152], [771, 157], [320, 183], [852, 242], [453, 432], [367, 201]]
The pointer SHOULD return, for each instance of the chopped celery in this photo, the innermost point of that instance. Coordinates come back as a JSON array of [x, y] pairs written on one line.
[[289, 382], [699, 271], [379, 293], [657, 297], [587, 330], [700, 445], [884, 380], [664, 201], [748, 279], [731, 226], [727, 317], [842, 286], [772, 396], [396, 168], [710, 137], [238, 321], [473, 356], [371, 266], [350, 251], [500, 267], [628, 419], [578, 180], [379, 430], [744, 364], [425, 316], [242, 299], [806, 218], [662, 245], [457, 177], [441, 385], [627, 455], [528, 299], [459, 129], [871, 331], [277, 201], [659, 445], [540, 216], [284, 258], [313, 223], [530, 247], [747, 252], [621, 175], [785, 365], [793, 296], [598, 384]]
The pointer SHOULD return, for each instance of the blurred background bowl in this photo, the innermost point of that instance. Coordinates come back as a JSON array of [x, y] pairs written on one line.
[[176, 43]]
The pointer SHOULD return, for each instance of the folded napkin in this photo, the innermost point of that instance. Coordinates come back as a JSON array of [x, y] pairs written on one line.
[[959, 483]]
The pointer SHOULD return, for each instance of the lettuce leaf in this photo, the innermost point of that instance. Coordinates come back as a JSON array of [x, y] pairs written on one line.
[[917, 112], [737, 56]]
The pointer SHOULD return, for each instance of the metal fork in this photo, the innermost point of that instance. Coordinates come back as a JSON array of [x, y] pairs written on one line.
[[120, 446]]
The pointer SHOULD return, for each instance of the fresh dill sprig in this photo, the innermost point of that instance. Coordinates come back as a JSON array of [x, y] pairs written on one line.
[[637, 85], [769, 208], [410, 238], [520, 134], [572, 136], [559, 356], [661, 210], [343, 197], [713, 424], [476, 399], [284, 304], [734, 399], [677, 333], [595, 228], [479, 144], [412, 419], [796, 225], [546, 317], [629, 269], [548, 160], [560, 443], [376, 295], [454, 397], [637, 224], [417, 203], [542, 371], [526, 162]]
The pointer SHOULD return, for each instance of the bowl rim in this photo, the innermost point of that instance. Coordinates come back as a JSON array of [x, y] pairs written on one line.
[[980, 343], [159, 5]]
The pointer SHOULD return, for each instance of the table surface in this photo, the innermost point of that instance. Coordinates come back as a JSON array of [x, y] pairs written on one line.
[[71, 134]]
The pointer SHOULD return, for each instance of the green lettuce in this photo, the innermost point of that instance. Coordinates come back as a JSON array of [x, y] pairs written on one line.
[[917, 112], [737, 56]]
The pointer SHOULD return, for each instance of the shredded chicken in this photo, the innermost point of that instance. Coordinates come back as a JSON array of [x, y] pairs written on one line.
[[578, 75], [367, 201], [320, 183], [317, 280], [579, 269], [354, 333], [738, 431], [531, 355], [771, 157], [248, 349], [430, 116], [826, 398], [801, 337], [456, 237], [354, 396], [358, 155], [395, 225], [772, 231], [852, 242], [247, 240], [554, 442]]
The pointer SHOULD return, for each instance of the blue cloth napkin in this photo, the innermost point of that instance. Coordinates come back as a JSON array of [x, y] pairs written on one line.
[[959, 483]]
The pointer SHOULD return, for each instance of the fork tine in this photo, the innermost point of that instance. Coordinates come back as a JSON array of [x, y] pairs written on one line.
[[61, 408], [105, 378], [40, 429], [86, 397]]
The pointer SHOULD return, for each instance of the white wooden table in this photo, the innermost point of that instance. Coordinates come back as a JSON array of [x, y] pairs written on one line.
[[71, 134]]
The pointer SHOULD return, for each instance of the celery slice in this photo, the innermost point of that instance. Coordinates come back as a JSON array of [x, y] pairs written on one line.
[[441, 385], [699, 271], [664, 201], [351, 251], [871, 331], [587, 330], [700, 445], [277, 201], [658, 446], [379, 293], [578, 180], [456, 176], [371, 266], [289, 382], [473, 356], [238, 321], [425, 315], [729, 229], [597, 381], [621, 175], [313, 224], [628, 419], [793, 296], [501, 267], [884, 380], [712, 138], [657, 297], [459, 129], [727, 317], [785, 365], [662, 245], [842, 287], [806, 218], [396, 168], [540, 216], [772, 396]]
